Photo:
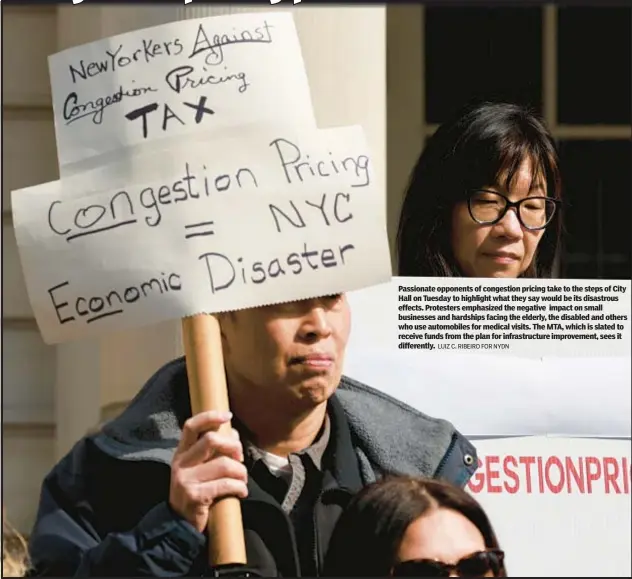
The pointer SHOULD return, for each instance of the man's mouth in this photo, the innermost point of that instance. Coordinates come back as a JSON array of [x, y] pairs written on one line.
[[315, 361]]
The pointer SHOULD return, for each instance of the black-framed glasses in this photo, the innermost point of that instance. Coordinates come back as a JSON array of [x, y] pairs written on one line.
[[488, 207], [478, 564]]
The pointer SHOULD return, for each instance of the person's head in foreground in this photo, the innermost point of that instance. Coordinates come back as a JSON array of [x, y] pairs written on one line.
[[14, 551], [414, 527], [286, 358], [483, 199]]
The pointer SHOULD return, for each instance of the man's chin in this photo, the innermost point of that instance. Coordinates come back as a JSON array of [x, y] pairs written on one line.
[[317, 389]]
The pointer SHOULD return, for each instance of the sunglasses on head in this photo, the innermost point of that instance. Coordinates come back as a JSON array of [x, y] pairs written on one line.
[[477, 564]]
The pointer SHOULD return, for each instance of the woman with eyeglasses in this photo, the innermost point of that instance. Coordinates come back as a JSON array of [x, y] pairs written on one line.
[[412, 527], [484, 198]]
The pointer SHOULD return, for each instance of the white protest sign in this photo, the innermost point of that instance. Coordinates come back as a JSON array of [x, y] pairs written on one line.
[[174, 247], [269, 154], [560, 506], [511, 317], [134, 92]]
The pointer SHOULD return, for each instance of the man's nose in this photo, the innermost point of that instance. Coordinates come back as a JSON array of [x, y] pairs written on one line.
[[316, 324], [509, 226]]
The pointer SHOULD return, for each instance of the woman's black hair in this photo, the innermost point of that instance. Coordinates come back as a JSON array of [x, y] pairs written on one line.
[[484, 144], [369, 532]]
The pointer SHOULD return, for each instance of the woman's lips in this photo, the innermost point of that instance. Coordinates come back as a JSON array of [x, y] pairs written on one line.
[[503, 257]]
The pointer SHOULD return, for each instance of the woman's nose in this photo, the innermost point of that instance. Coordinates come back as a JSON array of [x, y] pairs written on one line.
[[509, 225]]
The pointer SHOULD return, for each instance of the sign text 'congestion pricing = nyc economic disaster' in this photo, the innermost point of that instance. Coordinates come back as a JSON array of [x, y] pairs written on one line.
[[141, 89], [134, 255]]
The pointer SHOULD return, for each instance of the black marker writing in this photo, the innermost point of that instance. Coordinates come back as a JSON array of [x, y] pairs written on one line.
[[168, 114], [201, 229], [92, 308], [184, 189], [94, 109], [223, 271], [100, 229], [186, 76], [200, 109], [121, 209], [115, 59], [215, 47], [50, 220], [297, 166], [297, 220], [86, 218]]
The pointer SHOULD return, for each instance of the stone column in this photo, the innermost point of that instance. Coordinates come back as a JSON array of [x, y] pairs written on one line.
[[344, 49]]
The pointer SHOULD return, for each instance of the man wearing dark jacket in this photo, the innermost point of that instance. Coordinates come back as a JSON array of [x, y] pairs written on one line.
[[133, 499]]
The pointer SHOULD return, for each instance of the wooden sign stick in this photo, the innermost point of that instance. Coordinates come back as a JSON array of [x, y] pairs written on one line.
[[208, 391]]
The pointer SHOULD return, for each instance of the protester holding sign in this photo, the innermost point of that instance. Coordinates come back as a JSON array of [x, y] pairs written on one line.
[[310, 438], [409, 527], [189, 191], [483, 199]]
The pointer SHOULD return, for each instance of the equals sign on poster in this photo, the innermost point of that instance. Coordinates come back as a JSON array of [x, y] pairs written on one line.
[[201, 229]]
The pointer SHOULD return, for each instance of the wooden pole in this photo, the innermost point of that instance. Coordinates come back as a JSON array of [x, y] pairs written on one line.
[[208, 391]]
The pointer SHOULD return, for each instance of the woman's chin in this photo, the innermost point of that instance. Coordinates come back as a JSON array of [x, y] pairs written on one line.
[[497, 272], [503, 274]]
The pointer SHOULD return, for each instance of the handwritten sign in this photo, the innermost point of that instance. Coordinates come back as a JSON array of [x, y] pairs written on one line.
[[192, 241], [265, 155], [138, 91], [560, 506]]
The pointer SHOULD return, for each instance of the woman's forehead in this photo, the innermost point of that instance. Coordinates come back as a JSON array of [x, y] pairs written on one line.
[[525, 172]]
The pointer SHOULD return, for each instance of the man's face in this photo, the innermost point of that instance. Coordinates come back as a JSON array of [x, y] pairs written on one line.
[[290, 353]]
